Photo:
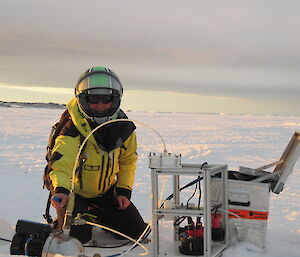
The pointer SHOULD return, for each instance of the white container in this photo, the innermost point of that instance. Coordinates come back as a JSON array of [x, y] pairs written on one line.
[[164, 160], [248, 210]]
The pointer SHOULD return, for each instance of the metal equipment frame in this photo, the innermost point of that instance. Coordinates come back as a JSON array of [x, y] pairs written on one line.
[[207, 171]]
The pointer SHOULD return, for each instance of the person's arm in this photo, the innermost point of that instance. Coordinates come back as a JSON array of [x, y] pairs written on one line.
[[127, 166], [62, 162]]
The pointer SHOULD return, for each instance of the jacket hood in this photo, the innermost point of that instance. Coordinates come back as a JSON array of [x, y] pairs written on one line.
[[110, 136], [79, 120]]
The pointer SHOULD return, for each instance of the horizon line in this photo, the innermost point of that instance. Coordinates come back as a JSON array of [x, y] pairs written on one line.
[[59, 105]]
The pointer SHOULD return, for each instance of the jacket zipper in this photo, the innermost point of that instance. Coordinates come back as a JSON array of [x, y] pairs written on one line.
[[101, 171], [111, 165]]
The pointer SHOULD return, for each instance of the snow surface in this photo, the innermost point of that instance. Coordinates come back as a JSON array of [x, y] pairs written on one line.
[[245, 140]]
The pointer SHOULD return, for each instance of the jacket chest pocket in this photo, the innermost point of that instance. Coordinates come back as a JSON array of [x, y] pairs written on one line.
[[91, 167]]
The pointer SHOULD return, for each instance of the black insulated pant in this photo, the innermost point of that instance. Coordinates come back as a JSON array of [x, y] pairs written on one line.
[[105, 208]]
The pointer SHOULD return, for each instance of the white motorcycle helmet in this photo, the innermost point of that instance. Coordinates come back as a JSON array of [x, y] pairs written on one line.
[[99, 84]]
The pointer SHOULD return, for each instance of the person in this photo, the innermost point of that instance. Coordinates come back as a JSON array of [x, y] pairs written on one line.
[[105, 174]]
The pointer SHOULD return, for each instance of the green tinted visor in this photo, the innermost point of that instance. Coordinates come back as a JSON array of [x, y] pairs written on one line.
[[100, 83]]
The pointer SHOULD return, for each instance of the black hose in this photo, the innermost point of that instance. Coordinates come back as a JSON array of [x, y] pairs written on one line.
[[6, 240], [115, 246], [187, 203], [200, 194], [182, 188], [178, 221], [187, 185]]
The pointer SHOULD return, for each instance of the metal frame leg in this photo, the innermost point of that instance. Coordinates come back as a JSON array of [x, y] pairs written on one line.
[[225, 202], [207, 213], [176, 195], [154, 179]]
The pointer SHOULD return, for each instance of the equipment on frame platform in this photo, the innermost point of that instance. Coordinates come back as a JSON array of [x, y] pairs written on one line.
[[191, 239], [234, 209], [233, 206]]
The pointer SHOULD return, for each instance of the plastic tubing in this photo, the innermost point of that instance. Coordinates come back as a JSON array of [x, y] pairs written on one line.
[[136, 242], [159, 203], [121, 234], [230, 212], [98, 127]]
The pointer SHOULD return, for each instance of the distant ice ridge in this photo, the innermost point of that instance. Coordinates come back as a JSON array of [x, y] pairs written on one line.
[[35, 105]]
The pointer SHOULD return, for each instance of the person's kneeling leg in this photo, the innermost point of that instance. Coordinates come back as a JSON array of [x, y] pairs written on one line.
[[128, 221]]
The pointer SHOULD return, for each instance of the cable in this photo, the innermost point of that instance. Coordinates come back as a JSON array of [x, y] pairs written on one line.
[[117, 246], [148, 226], [143, 237], [230, 212], [187, 203], [200, 193], [98, 127], [178, 221], [199, 183], [107, 247], [182, 188], [6, 240], [188, 185], [121, 234], [76, 163], [216, 208]]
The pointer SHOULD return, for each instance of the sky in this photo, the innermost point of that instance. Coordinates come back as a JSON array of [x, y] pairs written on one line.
[[171, 56]]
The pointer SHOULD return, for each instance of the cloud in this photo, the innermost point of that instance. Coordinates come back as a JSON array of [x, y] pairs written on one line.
[[240, 34], [47, 90], [248, 49]]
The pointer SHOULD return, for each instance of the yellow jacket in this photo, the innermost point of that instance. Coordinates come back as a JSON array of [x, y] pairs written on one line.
[[100, 169]]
